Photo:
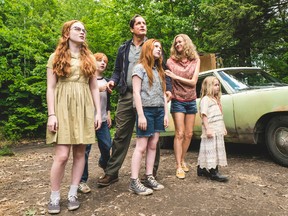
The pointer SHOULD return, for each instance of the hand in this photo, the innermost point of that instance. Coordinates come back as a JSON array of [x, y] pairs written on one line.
[[166, 121], [102, 88], [97, 122], [168, 96], [110, 86], [170, 74], [52, 124], [142, 122], [109, 121], [209, 133]]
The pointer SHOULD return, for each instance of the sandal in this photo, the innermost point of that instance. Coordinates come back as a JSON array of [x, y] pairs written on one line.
[[180, 173]]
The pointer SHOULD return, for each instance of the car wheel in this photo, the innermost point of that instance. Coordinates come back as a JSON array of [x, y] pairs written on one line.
[[277, 139]]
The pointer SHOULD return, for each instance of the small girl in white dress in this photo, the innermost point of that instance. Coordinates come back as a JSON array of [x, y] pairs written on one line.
[[212, 147]]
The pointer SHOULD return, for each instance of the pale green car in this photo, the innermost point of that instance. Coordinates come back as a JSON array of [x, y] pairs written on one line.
[[255, 109]]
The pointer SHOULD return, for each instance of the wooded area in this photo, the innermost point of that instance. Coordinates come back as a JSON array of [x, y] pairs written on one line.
[[242, 33]]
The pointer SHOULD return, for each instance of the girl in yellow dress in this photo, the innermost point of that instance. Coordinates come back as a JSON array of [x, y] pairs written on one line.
[[72, 96]]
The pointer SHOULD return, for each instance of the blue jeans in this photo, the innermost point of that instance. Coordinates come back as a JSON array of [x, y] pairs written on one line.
[[155, 121], [104, 143], [187, 107]]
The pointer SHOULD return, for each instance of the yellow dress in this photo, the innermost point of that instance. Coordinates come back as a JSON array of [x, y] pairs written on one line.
[[74, 107]]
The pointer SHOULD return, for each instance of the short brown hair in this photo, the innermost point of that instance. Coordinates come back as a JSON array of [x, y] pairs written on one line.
[[133, 20], [99, 56]]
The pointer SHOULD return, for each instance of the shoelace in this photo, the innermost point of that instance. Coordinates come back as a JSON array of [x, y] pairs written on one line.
[[152, 180], [55, 202], [139, 185], [72, 198]]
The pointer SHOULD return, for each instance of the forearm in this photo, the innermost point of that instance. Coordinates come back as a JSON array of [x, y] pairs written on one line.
[[189, 82], [51, 85], [138, 103], [117, 69], [95, 94], [50, 101], [205, 122], [196, 73], [165, 105]]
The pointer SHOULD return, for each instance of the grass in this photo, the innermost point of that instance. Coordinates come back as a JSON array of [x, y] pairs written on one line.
[[5, 146], [6, 151]]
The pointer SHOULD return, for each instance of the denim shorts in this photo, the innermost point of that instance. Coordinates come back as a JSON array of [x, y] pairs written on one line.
[[187, 107], [155, 121]]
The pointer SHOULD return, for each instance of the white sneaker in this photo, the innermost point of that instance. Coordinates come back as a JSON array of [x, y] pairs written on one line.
[[137, 187]]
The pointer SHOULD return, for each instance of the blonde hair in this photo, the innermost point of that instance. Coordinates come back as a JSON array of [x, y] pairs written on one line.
[[207, 88], [62, 59], [148, 61], [189, 49]]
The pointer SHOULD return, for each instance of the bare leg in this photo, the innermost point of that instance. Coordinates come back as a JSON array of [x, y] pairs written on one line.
[[189, 124], [141, 145], [151, 152], [58, 167], [178, 119], [78, 163]]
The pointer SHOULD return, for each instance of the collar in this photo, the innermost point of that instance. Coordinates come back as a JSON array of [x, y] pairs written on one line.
[[75, 55], [145, 39]]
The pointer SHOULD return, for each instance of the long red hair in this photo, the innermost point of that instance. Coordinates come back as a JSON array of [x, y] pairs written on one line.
[[62, 59], [148, 61]]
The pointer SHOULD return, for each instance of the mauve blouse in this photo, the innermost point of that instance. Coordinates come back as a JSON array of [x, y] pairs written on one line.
[[181, 91]]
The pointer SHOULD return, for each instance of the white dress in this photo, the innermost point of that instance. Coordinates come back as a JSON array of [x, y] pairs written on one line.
[[212, 151]]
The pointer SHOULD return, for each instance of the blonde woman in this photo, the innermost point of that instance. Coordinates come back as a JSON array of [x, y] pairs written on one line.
[[72, 96], [184, 65]]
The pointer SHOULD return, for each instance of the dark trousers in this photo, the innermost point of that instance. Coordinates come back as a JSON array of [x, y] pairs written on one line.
[[125, 122], [104, 144]]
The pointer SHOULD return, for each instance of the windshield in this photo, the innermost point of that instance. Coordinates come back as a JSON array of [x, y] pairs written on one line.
[[249, 79]]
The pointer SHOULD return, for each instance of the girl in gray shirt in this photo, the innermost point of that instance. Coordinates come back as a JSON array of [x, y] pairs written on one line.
[[148, 80]]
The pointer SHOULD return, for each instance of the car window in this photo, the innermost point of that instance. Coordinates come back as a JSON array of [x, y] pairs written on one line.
[[233, 81], [258, 78]]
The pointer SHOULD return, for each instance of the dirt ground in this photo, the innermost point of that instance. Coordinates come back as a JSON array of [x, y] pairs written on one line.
[[257, 186]]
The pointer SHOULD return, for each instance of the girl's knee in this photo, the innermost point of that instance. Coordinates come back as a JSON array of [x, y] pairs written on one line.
[[140, 150], [189, 135], [179, 135], [152, 146], [62, 158], [79, 151]]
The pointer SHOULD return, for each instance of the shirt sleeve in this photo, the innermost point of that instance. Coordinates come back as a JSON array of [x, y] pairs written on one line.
[[204, 106], [139, 71], [170, 64], [50, 61]]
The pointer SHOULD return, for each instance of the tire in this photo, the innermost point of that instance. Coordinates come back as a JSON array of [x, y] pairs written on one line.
[[277, 139]]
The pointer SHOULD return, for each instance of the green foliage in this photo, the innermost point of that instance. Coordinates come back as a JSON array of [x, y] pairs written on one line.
[[243, 33], [6, 151], [30, 212]]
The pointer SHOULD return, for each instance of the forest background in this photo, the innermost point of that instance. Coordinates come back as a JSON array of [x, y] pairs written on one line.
[[241, 32]]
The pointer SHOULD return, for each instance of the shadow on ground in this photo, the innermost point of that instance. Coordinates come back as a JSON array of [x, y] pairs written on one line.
[[232, 149]]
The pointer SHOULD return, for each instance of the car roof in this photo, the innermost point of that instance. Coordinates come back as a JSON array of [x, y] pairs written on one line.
[[231, 68]]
